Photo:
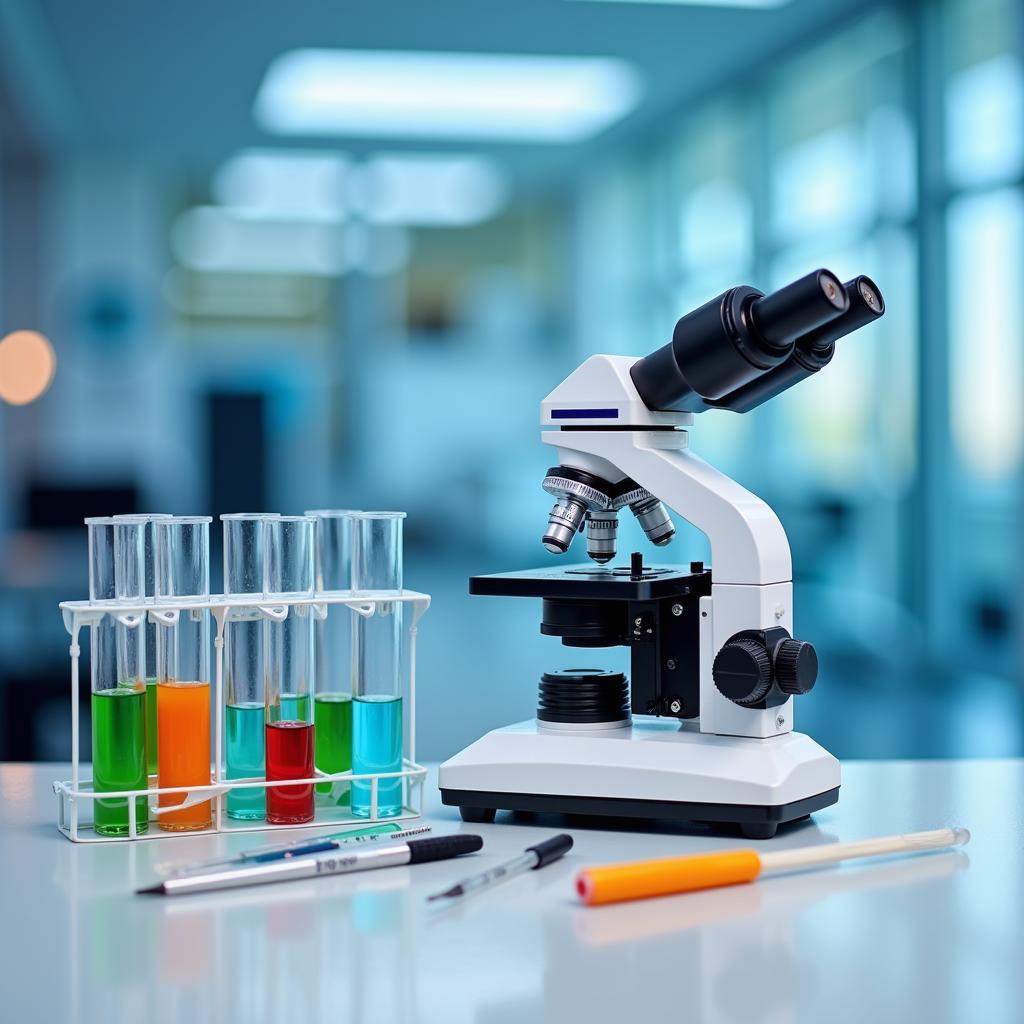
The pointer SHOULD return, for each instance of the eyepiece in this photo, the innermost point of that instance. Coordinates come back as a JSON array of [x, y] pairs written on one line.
[[866, 305], [870, 294], [813, 350], [733, 340], [807, 303]]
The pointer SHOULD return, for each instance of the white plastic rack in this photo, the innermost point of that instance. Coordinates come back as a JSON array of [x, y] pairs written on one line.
[[71, 794]]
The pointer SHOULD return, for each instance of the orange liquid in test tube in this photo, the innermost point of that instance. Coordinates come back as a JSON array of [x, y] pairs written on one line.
[[183, 750]]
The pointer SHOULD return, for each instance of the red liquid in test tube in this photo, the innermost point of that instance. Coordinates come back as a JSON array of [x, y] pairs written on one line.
[[289, 756]]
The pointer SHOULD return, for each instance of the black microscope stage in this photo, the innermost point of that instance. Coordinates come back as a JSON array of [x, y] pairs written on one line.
[[590, 582]]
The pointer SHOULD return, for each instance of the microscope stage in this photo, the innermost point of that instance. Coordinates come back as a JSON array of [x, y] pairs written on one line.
[[592, 582], [652, 768]]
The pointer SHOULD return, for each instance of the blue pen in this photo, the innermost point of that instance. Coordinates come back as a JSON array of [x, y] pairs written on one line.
[[321, 844]]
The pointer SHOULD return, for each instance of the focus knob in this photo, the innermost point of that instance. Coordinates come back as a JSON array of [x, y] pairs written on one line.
[[796, 666], [743, 672]]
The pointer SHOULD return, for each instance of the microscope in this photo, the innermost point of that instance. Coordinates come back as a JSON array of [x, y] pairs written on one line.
[[702, 731]]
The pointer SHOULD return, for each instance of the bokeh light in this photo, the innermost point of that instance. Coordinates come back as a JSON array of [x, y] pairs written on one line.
[[27, 365]]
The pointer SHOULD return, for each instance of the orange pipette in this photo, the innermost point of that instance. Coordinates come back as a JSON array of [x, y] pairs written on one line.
[[641, 879]]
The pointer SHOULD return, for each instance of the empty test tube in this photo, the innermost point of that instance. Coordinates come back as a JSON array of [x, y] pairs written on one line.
[[377, 706], [332, 704], [183, 669], [118, 691], [288, 698]]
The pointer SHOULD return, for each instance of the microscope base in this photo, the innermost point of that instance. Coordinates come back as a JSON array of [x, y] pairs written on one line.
[[654, 769]]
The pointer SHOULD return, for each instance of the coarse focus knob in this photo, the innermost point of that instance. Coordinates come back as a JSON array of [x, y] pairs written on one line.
[[796, 666], [743, 671]]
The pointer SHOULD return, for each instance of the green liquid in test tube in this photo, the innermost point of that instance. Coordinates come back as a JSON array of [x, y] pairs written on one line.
[[118, 740], [151, 759], [332, 716], [332, 706], [118, 702]]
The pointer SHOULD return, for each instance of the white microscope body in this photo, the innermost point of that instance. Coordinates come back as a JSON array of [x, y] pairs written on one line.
[[736, 760]]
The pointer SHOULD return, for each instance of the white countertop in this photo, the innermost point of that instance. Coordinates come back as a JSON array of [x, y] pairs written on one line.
[[938, 937]]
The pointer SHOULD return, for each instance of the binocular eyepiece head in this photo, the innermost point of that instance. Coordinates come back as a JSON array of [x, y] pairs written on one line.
[[743, 336]]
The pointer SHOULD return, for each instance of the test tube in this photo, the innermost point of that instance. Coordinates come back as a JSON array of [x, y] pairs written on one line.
[[377, 708], [289, 688], [118, 697], [244, 663], [332, 704], [149, 653], [183, 669]]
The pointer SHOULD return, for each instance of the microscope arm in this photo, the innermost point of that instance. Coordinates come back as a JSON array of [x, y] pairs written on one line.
[[748, 544], [750, 559]]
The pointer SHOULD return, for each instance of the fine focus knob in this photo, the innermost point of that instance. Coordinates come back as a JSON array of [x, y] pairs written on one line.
[[796, 666], [743, 671]]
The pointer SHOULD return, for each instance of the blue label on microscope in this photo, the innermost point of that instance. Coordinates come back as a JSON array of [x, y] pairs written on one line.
[[584, 414]]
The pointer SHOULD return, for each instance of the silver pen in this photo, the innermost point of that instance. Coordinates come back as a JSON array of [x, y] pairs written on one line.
[[416, 851], [302, 847], [530, 859]]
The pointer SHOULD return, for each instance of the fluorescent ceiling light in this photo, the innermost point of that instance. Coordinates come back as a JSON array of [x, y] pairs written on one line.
[[754, 4], [429, 189], [216, 238], [385, 93], [284, 184]]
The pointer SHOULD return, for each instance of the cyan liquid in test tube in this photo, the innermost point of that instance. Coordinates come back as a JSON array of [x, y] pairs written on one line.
[[244, 664], [377, 707]]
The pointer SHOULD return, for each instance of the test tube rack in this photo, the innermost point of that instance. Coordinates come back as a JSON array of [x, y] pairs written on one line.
[[72, 793]]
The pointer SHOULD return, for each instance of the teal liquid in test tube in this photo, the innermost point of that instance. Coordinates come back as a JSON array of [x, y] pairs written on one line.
[[377, 707], [244, 664]]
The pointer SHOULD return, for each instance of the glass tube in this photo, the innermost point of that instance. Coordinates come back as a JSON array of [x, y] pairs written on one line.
[[183, 669], [244, 663], [118, 695], [289, 687], [377, 665], [149, 668], [332, 705]]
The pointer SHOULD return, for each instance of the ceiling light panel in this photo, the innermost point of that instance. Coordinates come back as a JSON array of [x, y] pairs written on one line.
[[284, 185], [751, 4], [430, 189], [423, 95], [217, 238]]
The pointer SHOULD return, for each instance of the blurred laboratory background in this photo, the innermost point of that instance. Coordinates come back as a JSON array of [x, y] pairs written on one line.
[[307, 255]]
